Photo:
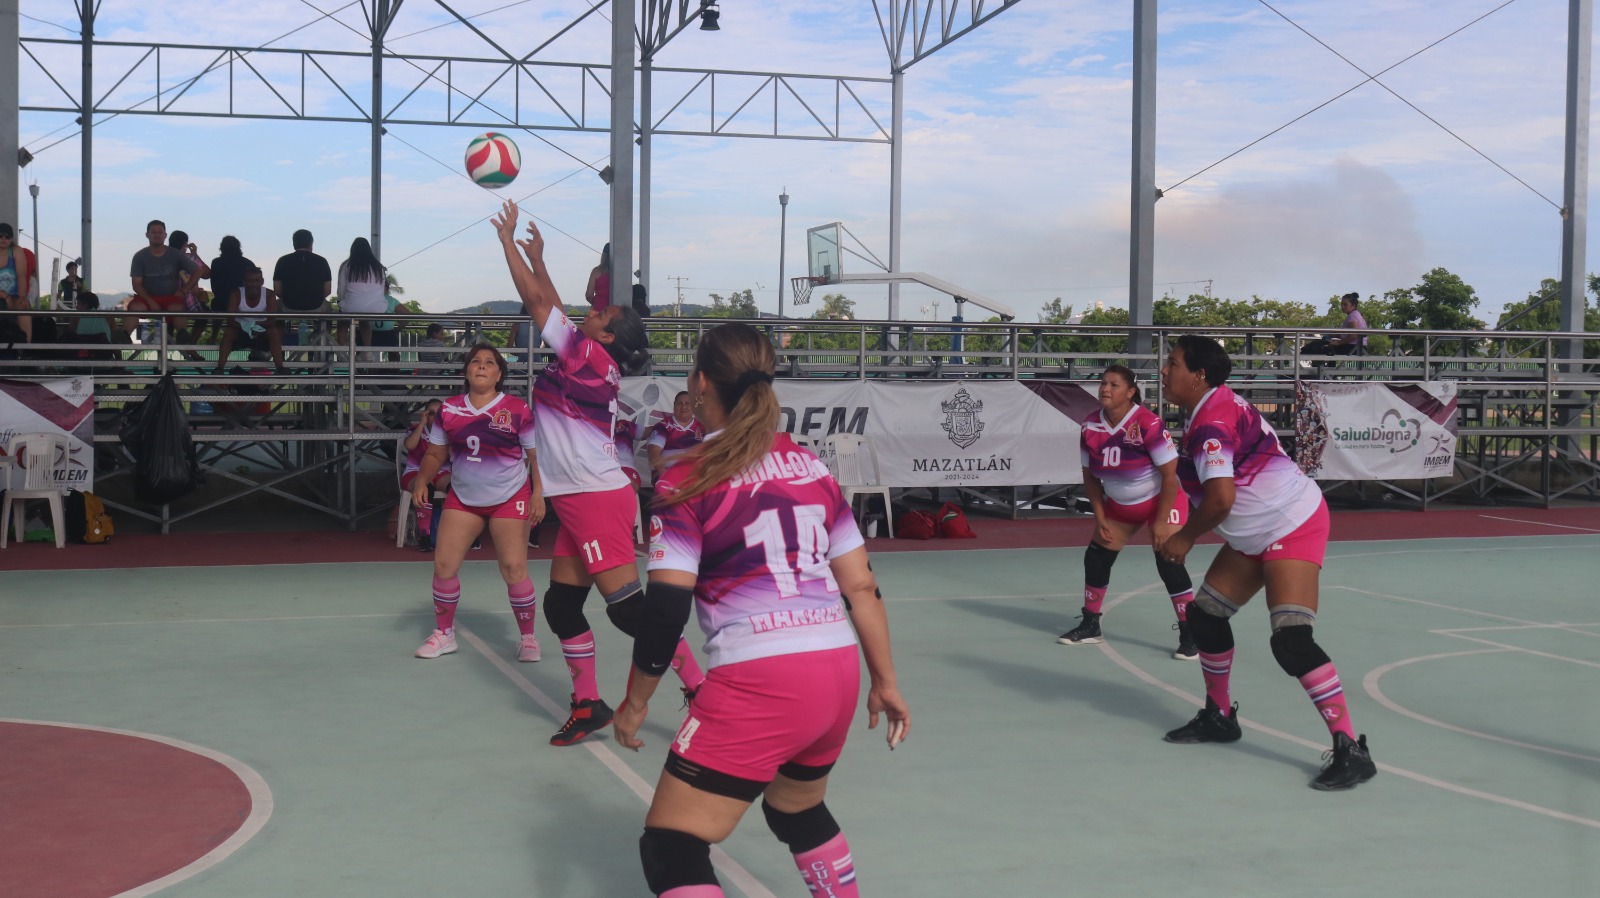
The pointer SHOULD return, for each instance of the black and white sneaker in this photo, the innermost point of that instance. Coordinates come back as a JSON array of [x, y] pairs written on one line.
[[1349, 765], [1186, 650], [1210, 725], [1085, 633]]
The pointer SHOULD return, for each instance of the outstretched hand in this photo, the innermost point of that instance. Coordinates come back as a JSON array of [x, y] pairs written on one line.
[[533, 244], [505, 224]]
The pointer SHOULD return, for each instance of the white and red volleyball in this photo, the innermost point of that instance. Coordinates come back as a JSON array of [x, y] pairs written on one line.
[[493, 160]]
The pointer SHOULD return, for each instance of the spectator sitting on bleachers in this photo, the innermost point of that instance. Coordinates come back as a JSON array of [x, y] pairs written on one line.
[[434, 339], [1346, 345]]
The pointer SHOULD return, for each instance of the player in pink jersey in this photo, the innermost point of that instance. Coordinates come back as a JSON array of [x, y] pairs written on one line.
[[488, 439], [1276, 526], [576, 400], [676, 435], [416, 445], [753, 533], [1130, 472]]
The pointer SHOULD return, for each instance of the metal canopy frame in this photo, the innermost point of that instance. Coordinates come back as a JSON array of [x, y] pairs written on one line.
[[504, 90]]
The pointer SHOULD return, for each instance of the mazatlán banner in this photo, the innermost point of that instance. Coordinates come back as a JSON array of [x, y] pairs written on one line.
[[1375, 431], [56, 405], [961, 433]]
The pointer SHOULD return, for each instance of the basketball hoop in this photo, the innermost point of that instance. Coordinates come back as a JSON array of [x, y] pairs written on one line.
[[802, 288]]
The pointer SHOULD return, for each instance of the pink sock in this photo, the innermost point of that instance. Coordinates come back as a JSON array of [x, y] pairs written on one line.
[[693, 892], [1322, 685], [424, 521], [522, 603], [579, 652], [828, 869], [1216, 669], [1093, 596], [1180, 604], [446, 593], [687, 668]]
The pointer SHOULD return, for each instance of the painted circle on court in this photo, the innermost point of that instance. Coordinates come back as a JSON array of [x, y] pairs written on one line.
[[111, 812]]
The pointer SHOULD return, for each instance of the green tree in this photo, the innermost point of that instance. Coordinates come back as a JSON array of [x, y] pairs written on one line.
[[1541, 311], [391, 285], [742, 304], [836, 307]]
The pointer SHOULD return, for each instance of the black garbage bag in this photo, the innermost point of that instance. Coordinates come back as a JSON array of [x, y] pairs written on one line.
[[165, 467]]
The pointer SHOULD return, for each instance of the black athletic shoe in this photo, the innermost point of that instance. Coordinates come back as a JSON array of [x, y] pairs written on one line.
[[588, 716], [424, 542], [1210, 725], [1085, 633], [1349, 765], [1186, 650]]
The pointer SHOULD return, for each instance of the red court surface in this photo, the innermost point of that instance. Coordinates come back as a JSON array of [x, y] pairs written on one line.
[[138, 550], [95, 813]]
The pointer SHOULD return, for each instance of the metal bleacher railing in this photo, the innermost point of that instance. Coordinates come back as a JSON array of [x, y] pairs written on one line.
[[322, 435]]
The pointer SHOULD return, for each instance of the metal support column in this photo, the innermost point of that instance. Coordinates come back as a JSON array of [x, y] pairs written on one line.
[[623, 13], [10, 98], [896, 164], [86, 11], [383, 12], [644, 179], [1142, 220], [1575, 183]]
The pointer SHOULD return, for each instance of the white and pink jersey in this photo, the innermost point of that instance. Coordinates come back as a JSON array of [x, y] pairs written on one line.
[[487, 447], [624, 434], [1125, 457], [675, 439], [1227, 437], [576, 396], [760, 545], [414, 458]]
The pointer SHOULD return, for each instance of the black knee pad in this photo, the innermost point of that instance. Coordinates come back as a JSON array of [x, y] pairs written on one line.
[[802, 831], [1174, 575], [1297, 652], [1212, 635], [1097, 562], [563, 608], [674, 859]]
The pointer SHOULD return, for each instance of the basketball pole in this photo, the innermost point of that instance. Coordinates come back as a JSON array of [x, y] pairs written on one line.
[[623, 14], [783, 229]]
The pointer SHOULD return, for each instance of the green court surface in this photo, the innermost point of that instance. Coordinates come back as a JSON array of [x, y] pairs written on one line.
[[1032, 769]]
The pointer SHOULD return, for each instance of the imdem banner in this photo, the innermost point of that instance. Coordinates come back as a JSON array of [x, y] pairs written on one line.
[[1375, 431], [961, 433], [59, 405]]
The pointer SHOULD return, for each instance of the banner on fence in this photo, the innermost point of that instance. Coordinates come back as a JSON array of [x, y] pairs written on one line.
[[1375, 431], [62, 405], [962, 433]]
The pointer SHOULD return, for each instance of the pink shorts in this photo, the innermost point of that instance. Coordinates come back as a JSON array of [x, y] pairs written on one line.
[[408, 480], [633, 475], [1145, 512], [597, 527], [518, 506], [1308, 542], [751, 718]]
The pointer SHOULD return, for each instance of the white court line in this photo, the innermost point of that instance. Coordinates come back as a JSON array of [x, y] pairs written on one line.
[[600, 748], [1370, 683], [261, 804], [207, 620], [1576, 629], [1536, 524], [1151, 679], [1527, 651], [1469, 611]]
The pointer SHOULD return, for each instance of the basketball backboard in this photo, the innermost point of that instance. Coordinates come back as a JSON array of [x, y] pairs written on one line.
[[823, 258]]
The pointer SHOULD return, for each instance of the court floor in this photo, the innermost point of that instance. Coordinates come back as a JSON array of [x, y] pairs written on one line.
[[1032, 769]]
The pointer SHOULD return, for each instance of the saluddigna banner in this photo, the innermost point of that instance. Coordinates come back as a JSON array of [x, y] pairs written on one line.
[[1375, 431]]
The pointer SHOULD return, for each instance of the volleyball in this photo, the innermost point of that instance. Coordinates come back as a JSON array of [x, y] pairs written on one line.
[[493, 160]]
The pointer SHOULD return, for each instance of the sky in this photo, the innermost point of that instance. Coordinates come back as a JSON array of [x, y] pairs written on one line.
[[1016, 152]]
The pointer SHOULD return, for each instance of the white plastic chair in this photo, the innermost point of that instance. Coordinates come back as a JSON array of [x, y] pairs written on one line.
[[39, 454], [854, 463], [404, 520]]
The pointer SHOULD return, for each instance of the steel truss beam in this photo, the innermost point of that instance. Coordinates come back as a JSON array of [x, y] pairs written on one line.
[[326, 86], [922, 28]]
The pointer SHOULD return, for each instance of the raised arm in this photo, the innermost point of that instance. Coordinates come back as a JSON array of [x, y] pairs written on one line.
[[531, 286]]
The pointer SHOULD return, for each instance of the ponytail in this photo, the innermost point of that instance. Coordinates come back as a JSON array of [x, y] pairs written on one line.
[[738, 361]]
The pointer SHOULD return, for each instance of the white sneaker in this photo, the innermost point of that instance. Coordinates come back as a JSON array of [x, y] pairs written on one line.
[[528, 648], [438, 643]]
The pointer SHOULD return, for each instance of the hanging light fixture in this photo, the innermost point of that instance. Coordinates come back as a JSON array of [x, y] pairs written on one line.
[[709, 13]]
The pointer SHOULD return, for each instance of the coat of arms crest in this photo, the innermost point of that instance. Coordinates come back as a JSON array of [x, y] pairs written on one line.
[[961, 418]]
